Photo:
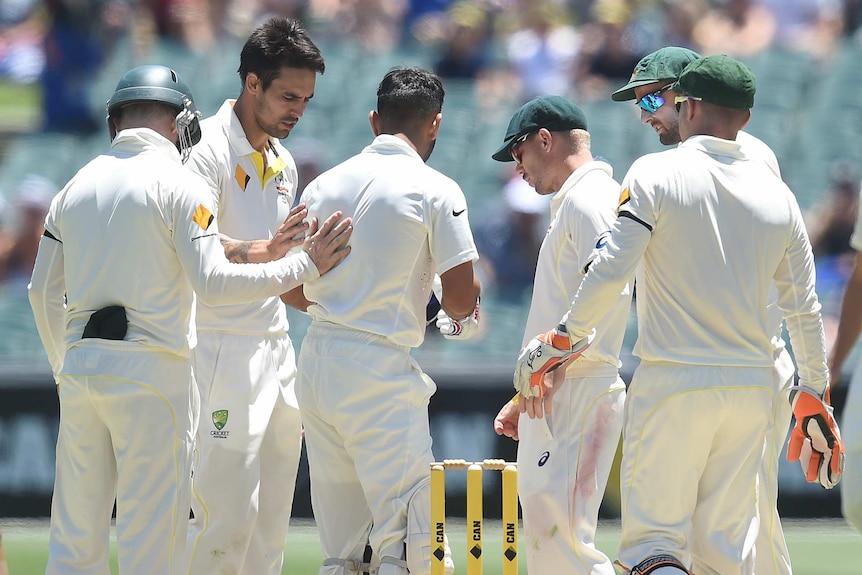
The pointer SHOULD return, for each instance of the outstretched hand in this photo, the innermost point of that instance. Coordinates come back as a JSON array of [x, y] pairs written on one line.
[[290, 234], [327, 246]]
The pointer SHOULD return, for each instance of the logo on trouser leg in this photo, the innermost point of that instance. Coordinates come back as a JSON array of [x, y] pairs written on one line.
[[219, 421], [544, 458]]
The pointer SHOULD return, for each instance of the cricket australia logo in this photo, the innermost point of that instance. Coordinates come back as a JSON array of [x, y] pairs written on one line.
[[219, 421]]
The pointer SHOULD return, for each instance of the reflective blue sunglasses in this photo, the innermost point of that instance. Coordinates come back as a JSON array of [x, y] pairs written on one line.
[[652, 102]]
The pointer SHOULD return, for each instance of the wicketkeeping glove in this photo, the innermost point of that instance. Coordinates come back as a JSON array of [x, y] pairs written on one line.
[[815, 440], [544, 353], [459, 328]]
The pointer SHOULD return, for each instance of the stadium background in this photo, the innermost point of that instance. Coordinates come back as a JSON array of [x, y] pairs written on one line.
[[59, 62]]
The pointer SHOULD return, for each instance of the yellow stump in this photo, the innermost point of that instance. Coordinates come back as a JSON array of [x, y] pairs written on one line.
[[510, 520], [438, 518], [474, 519]]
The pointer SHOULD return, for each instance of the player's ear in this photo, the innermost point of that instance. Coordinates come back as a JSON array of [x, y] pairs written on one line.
[[747, 118], [252, 83], [435, 126], [374, 121], [545, 139]]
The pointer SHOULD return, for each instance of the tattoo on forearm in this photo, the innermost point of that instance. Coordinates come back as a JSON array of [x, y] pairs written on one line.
[[236, 251]]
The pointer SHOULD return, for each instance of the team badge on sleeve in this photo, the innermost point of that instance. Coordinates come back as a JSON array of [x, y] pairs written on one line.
[[202, 217]]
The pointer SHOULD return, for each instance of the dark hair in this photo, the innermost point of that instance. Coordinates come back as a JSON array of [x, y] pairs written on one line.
[[279, 42], [408, 95]]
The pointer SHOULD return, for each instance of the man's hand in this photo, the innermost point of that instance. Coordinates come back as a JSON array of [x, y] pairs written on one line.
[[327, 246], [538, 407], [460, 329], [544, 353], [506, 422], [289, 234], [815, 440]]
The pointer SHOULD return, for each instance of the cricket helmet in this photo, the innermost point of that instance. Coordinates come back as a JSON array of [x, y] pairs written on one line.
[[154, 83]]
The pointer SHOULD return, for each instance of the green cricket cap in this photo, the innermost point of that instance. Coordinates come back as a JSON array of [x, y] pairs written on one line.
[[554, 113], [719, 79], [663, 65]]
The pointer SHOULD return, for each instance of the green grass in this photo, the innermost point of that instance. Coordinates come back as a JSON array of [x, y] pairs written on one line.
[[816, 547], [20, 106]]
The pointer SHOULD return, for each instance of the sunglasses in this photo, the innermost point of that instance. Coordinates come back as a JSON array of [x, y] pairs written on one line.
[[678, 100], [515, 150], [652, 102]]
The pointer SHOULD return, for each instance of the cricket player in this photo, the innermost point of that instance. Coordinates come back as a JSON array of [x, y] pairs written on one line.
[[649, 87], [250, 436], [128, 243], [849, 327], [363, 398], [708, 231], [568, 438]]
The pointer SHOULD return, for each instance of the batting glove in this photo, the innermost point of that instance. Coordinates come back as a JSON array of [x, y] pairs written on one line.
[[545, 353], [459, 328], [815, 440]]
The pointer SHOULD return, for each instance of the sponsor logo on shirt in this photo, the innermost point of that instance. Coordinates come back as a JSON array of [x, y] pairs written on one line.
[[624, 197], [603, 240], [283, 194], [241, 177], [202, 217]]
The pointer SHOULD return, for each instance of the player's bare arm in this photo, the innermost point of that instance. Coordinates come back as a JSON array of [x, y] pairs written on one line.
[[295, 298], [460, 291], [849, 324], [327, 246], [288, 236]]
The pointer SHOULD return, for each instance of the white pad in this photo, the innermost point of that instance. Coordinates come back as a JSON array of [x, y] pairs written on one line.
[[419, 534]]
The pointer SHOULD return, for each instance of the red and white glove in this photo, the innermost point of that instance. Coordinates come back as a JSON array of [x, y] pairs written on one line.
[[815, 440], [459, 328], [545, 353]]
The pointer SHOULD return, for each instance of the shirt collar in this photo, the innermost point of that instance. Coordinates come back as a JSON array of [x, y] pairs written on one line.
[[136, 139], [389, 144], [574, 178], [715, 146]]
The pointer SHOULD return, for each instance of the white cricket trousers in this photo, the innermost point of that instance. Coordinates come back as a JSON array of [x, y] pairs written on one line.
[[127, 422], [248, 449], [693, 442], [851, 434], [771, 554], [364, 403], [564, 460]]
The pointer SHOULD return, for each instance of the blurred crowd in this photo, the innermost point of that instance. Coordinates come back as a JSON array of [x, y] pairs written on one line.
[[569, 47], [506, 50]]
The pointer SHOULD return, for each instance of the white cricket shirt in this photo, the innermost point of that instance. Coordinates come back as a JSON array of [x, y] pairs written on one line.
[[409, 220], [137, 229], [712, 230], [582, 212], [250, 204]]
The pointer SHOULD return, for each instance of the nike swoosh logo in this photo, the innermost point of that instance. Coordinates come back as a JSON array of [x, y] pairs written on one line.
[[456, 214]]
